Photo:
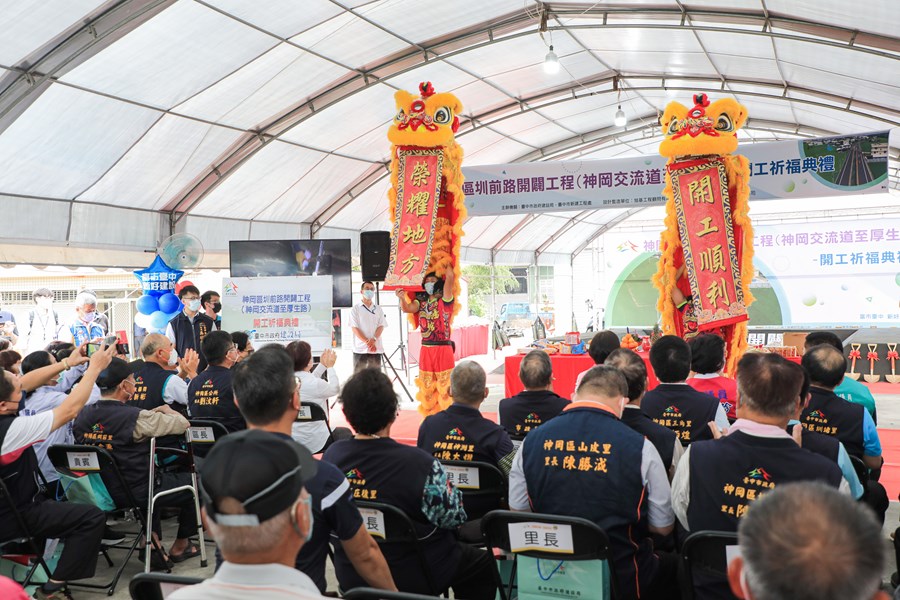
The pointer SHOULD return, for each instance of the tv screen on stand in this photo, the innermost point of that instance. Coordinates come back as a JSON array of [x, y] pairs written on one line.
[[302, 258]]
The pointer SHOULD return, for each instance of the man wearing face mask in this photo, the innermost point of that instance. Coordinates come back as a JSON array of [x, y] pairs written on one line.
[[212, 307], [128, 429], [85, 327], [367, 323], [157, 382], [209, 394], [586, 463], [43, 322], [188, 329]]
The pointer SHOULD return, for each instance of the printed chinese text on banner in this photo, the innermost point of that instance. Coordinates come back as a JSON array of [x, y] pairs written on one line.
[[705, 228], [418, 193]]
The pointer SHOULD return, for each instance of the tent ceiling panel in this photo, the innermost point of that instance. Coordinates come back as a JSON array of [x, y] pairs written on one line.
[[875, 16], [353, 117], [511, 54], [474, 227], [532, 79], [479, 97], [535, 233], [502, 150], [66, 141], [444, 76], [280, 16], [368, 211], [626, 42], [284, 76], [174, 55], [731, 44], [539, 135], [568, 241], [214, 233], [408, 19], [474, 141], [490, 236], [133, 228], [165, 159], [260, 181], [828, 60], [34, 219], [350, 40], [27, 25]]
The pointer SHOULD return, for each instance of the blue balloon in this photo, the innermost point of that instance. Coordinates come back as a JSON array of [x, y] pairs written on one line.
[[147, 305], [172, 315], [169, 303], [159, 320]]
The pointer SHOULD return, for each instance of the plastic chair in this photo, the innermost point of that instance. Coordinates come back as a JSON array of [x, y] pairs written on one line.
[[705, 551], [310, 412], [365, 593], [94, 459], [34, 553], [489, 491], [156, 586], [589, 542]]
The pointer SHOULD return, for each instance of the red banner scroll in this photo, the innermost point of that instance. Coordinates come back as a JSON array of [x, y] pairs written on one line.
[[707, 237], [418, 193]]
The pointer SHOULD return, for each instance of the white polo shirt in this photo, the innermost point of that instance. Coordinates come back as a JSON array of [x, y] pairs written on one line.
[[367, 319]]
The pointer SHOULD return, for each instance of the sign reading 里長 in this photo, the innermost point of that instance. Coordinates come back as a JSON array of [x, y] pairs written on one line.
[[465, 478], [700, 189], [280, 309], [415, 215], [374, 521], [545, 537]]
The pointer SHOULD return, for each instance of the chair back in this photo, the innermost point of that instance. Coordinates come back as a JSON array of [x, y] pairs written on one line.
[[365, 593], [705, 552], [310, 412], [517, 439], [25, 535], [483, 486], [76, 460], [156, 586], [862, 471], [205, 432]]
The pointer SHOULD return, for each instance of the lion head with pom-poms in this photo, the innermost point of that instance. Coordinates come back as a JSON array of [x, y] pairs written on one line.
[[428, 120], [707, 128]]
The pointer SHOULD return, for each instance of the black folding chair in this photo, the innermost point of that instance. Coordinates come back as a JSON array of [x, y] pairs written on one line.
[[310, 412], [76, 461], [35, 554], [483, 486], [517, 439], [589, 542], [398, 531], [204, 433], [862, 472], [365, 593], [156, 586], [705, 552]]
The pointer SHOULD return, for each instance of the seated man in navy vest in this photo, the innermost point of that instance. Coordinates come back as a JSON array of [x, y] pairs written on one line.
[[80, 526], [805, 541], [190, 326], [268, 395], [538, 403], [382, 470], [209, 393], [675, 404], [125, 431], [158, 383], [718, 480], [587, 463], [848, 389], [664, 439]]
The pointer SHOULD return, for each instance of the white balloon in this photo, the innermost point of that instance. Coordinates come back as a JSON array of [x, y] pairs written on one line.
[[142, 321]]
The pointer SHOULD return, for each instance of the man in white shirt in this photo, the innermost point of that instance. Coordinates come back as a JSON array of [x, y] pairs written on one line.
[[256, 506], [367, 322], [43, 322]]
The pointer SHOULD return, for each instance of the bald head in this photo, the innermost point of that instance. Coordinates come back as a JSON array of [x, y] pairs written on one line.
[[156, 348], [536, 371], [825, 365], [603, 384]]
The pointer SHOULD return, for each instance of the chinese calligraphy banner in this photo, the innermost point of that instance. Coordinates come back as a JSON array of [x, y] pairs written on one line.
[[812, 168], [700, 189], [418, 194], [280, 309]]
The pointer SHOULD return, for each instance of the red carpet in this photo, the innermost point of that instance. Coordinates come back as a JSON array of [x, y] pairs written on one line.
[[882, 387]]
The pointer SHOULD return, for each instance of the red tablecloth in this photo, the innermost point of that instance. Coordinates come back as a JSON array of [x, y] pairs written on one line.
[[566, 368], [470, 341]]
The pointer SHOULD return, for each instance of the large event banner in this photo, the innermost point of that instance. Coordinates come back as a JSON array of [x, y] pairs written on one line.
[[812, 168], [700, 189], [418, 194], [280, 309]]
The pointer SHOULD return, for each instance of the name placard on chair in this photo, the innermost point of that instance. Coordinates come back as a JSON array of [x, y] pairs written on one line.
[[202, 435], [374, 521], [305, 414], [83, 461], [465, 478], [546, 537]]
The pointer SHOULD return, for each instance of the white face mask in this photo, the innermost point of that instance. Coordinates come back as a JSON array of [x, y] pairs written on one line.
[[45, 302], [194, 305], [173, 358], [88, 317], [369, 294], [429, 288]]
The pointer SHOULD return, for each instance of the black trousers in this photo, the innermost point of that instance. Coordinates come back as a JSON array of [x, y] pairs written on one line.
[[877, 499], [665, 584], [79, 526], [187, 516], [474, 579], [366, 361]]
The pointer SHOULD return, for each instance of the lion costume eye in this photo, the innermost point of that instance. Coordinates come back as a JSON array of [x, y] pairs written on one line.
[[673, 126], [723, 123], [400, 115], [443, 115]]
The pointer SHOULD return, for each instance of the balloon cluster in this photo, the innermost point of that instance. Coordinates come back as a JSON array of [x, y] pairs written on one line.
[[159, 304]]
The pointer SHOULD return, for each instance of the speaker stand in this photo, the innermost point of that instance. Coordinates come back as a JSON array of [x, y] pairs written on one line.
[[401, 348]]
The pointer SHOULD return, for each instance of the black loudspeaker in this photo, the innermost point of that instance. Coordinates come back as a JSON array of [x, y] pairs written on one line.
[[374, 254]]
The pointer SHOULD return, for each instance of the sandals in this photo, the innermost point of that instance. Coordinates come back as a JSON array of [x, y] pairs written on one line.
[[158, 562], [192, 551]]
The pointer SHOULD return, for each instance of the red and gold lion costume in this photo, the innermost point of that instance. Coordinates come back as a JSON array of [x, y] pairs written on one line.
[[705, 132]]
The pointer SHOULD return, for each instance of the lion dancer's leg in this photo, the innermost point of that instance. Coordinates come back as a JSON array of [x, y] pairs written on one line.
[[435, 365]]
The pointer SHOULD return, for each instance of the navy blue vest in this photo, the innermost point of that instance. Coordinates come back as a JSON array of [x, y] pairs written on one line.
[[662, 438], [210, 397], [830, 414], [526, 410], [682, 409], [819, 443], [586, 463], [385, 471], [110, 424], [150, 382], [20, 477], [188, 335]]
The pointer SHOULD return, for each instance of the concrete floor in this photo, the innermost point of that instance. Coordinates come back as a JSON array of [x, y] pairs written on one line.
[[888, 417]]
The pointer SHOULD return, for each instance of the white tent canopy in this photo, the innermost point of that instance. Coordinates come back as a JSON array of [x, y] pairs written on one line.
[[122, 122]]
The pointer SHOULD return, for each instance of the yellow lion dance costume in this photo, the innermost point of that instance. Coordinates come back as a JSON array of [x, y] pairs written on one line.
[[430, 120], [706, 130]]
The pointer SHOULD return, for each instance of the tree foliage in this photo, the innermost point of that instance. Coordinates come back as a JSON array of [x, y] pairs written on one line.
[[479, 278]]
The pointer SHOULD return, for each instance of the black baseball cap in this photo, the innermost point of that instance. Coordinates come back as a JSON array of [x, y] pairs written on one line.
[[262, 471], [117, 372]]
